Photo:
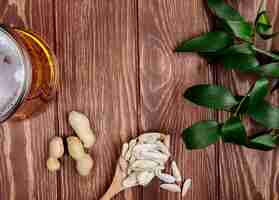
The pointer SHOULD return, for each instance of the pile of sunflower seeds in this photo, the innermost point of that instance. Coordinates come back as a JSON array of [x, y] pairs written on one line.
[[145, 158]]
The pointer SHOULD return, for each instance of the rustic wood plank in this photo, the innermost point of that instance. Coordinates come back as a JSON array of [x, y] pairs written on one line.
[[164, 76], [23, 145], [97, 46], [247, 174]]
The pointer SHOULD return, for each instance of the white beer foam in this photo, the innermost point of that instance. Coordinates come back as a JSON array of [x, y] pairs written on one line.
[[12, 73]]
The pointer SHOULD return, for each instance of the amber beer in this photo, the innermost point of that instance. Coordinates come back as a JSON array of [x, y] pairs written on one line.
[[28, 74]]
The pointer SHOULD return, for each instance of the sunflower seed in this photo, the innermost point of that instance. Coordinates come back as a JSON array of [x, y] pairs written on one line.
[[147, 156], [145, 177], [152, 155], [130, 181], [166, 178], [128, 155], [149, 138], [132, 158], [142, 165], [129, 171], [176, 172], [186, 186], [171, 187], [162, 147], [132, 144], [125, 148], [157, 171], [123, 164], [145, 147], [158, 146]]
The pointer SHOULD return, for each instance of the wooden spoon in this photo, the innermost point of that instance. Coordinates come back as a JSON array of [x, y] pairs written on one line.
[[121, 173], [116, 186]]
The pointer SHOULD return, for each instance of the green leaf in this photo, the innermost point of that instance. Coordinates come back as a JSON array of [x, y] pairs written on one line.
[[227, 57], [244, 48], [201, 134], [243, 105], [274, 86], [243, 62], [209, 42], [262, 22], [265, 114], [233, 131], [224, 11], [234, 50], [273, 54], [210, 57], [263, 26], [268, 36], [211, 96], [221, 25], [258, 93], [276, 52], [242, 30], [235, 21], [269, 70], [264, 142], [262, 18]]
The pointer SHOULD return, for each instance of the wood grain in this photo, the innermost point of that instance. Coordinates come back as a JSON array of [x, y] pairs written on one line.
[[97, 47], [23, 145], [117, 65], [247, 174], [164, 76]]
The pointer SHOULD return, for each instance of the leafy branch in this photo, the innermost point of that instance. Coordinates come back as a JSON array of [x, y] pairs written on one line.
[[232, 45]]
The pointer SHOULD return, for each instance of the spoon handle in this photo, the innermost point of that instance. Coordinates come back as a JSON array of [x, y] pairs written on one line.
[[116, 185], [111, 193]]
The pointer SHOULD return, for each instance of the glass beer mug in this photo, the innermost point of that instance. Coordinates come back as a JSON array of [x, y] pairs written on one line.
[[28, 74]]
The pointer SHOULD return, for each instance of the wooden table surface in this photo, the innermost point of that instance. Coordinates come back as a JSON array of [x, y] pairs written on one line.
[[117, 65]]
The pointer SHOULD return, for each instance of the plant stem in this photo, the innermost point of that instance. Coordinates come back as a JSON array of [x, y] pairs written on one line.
[[239, 105], [272, 55], [267, 131]]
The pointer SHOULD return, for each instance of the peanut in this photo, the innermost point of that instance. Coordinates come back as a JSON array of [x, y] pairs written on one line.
[[176, 172], [84, 165], [81, 125], [84, 162], [75, 148], [56, 147], [56, 151], [53, 164]]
